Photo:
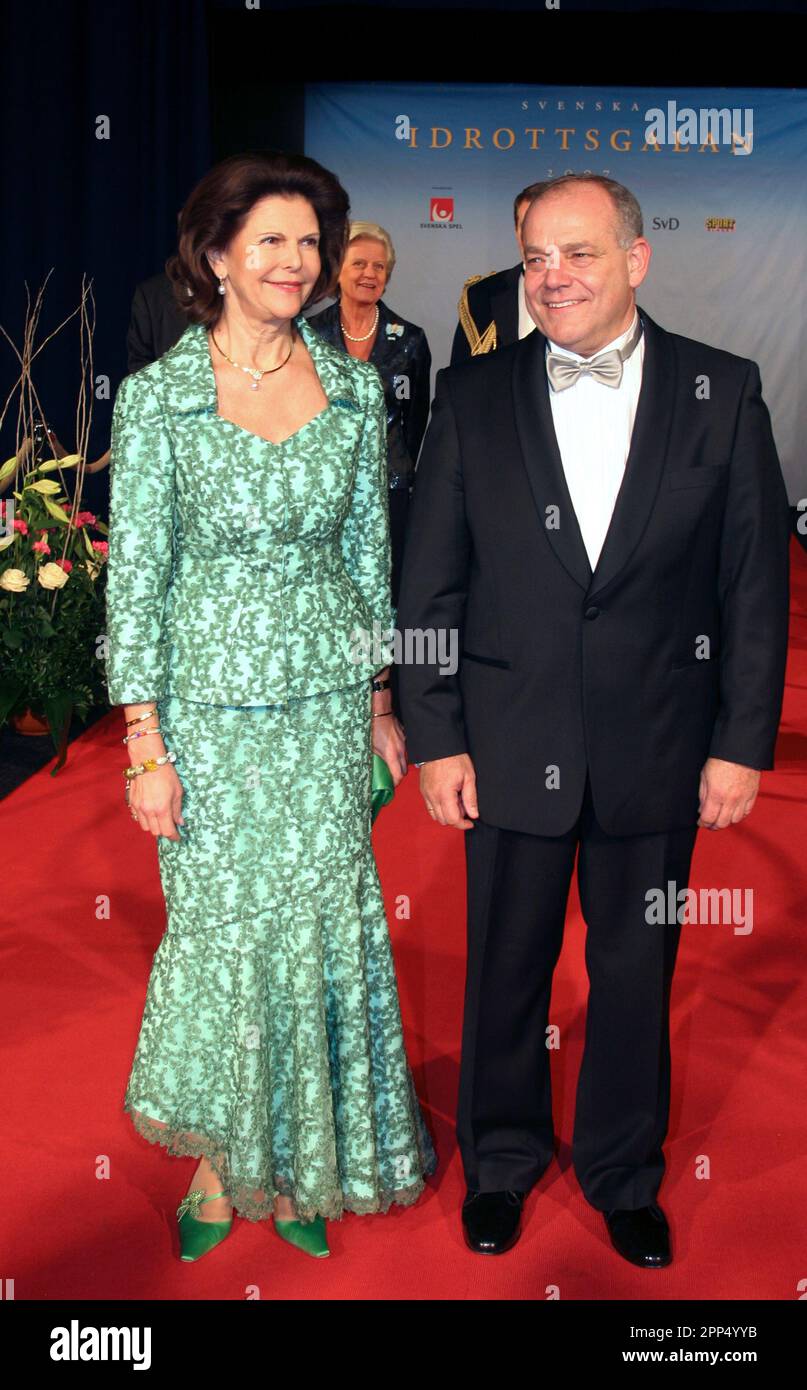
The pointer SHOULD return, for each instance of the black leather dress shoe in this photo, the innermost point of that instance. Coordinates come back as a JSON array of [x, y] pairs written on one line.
[[491, 1221], [641, 1236]]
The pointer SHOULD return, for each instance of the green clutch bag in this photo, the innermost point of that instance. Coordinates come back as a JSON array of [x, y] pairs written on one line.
[[383, 787]]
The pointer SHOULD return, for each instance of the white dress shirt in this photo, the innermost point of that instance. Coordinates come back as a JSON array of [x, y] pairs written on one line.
[[593, 424]]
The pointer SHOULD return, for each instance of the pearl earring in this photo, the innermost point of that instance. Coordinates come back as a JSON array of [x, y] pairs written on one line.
[[221, 285]]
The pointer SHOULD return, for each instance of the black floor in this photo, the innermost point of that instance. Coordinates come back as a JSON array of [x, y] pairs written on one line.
[[21, 755]]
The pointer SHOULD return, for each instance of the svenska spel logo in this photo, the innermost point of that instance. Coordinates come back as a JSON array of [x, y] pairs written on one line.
[[441, 209]]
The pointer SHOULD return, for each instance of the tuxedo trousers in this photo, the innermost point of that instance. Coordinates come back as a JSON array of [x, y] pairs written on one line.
[[518, 885]]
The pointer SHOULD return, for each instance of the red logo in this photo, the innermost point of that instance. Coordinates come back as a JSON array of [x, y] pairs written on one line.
[[441, 210]]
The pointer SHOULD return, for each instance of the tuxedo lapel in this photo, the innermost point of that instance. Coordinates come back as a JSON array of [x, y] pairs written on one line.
[[643, 469], [645, 463], [539, 448]]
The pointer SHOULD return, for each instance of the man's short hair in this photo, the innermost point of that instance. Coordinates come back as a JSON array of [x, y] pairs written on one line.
[[629, 224]]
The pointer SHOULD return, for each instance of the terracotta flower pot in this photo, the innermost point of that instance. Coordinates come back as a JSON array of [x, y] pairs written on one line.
[[29, 723]]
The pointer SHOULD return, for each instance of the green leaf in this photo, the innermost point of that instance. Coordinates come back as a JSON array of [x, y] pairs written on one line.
[[11, 690], [69, 461], [55, 511], [58, 709], [12, 637], [46, 486]]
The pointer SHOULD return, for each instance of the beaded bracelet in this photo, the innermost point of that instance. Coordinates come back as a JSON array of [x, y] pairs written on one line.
[[150, 765]]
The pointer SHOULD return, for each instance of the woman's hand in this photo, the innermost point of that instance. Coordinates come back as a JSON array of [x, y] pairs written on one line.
[[157, 799], [390, 743]]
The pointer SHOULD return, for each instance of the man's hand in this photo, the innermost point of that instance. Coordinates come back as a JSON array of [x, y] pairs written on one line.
[[727, 793], [448, 786]]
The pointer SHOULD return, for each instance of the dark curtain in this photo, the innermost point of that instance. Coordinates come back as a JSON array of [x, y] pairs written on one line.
[[76, 202]]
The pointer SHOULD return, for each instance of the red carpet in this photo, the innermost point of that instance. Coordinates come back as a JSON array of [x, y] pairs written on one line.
[[88, 1205]]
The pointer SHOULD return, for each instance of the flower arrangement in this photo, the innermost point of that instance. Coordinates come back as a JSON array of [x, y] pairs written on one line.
[[52, 576]]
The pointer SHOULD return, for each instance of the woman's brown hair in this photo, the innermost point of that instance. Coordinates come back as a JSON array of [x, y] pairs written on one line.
[[220, 204]]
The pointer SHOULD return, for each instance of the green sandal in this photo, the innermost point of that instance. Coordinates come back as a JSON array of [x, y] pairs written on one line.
[[306, 1235], [197, 1237]]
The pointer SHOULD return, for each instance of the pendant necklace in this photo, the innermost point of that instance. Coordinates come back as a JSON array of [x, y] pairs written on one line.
[[255, 372]]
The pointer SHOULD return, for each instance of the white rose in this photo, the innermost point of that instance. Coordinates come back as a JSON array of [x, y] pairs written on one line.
[[52, 576], [16, 581]]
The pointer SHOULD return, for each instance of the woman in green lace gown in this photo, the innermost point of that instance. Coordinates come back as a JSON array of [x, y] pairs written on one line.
[[247, 599]]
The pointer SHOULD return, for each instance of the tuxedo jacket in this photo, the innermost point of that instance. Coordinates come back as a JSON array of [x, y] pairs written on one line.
[[671, 651], [156, 323], [494, 298]]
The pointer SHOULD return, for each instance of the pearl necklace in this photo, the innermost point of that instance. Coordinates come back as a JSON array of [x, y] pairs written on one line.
[[365, 336], [255, 372]]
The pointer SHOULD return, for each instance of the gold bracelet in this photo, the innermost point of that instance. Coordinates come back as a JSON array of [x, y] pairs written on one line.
[[138, 717], [140, 733]]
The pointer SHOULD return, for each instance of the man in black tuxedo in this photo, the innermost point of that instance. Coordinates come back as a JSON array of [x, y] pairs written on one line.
[[493, 308], [599, 513]]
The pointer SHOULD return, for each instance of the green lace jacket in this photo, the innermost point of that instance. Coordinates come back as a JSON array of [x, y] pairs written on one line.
[[240, 571]]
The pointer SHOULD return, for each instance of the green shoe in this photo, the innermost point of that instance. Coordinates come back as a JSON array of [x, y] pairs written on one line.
[[306, 1235], [197, 1237]]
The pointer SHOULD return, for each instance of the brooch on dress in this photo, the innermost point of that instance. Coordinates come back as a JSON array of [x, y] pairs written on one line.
[[395, 330]]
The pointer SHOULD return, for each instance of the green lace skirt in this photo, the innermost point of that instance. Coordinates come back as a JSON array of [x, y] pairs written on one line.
[[271, 1038]]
